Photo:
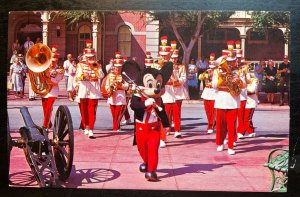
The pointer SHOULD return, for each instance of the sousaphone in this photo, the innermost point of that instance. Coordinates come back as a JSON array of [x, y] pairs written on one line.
[[38, 60]]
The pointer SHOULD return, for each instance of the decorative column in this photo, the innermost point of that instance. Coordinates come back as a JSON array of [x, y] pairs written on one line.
[[152, 35], [243, 43], [95, 22], [45, 16], [286, 41]]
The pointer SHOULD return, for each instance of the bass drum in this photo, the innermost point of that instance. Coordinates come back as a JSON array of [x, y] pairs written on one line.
[[103, 90]]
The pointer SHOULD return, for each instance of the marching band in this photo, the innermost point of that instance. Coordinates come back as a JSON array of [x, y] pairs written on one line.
[[229, 97]]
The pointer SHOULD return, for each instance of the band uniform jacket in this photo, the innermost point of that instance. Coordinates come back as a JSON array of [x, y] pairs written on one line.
[[179, 90], [88, 88], [118, 97], [138, 106], [252, 99], [241, 73], [55, 89], [223, 99]]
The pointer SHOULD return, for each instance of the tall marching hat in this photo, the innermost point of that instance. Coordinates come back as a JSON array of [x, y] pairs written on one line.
[[164, 40], [54, 48], [148, 60], [89, 51], [164, 49], [54, 55], [239, 51], [125, 58], [229, 52], [88, 43], [211, 62], [118, 61], [173, 44]]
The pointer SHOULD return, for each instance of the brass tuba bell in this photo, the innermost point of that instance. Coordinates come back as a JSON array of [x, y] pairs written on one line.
[[38, 60]]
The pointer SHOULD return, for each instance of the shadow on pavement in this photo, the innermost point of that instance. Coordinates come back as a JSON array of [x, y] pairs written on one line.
[[22, 179], [191, 168], [90, 176]]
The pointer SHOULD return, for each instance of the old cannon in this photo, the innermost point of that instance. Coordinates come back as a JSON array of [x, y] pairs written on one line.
[[50, 160]]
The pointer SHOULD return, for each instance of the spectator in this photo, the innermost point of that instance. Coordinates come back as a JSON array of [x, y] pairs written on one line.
[[271, 87], [16, 47], [192, 79], [284, 71], [38, 40], [71, 73], [27, 44], [259, 73], [66, 66], [14, 56], [21, 60], [15, 76], [202, 65]]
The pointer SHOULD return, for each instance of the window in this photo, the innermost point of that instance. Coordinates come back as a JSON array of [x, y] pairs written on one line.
[[124, 40], [258, 37], [217, 35], [84, 33]]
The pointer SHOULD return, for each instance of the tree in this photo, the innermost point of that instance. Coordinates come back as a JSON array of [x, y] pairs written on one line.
[[264, 20], [187, 26]]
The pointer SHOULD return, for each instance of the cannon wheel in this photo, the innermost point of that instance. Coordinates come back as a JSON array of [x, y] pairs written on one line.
[[41, 164], [63, 140]]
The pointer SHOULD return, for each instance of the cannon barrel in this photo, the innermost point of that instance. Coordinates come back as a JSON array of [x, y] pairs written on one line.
[[32, 132]]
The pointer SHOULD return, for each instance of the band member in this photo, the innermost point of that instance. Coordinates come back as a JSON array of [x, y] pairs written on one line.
[[88, 75], [251, 104], [128, 97], [115, 87], [180, 92], [149, 114], [81, 60], [56, 75], [169, 96], [242, 72], [208, 95], [148, 60], [227, 100]]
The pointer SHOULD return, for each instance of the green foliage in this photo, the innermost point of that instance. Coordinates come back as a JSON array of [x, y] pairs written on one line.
[[74, 16], [186, 21], [263, 20]]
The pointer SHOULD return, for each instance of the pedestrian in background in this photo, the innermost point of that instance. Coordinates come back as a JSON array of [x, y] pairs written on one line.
[[24, 71], [202, 65], [15, 76], [271, 87], [192, 79], [259, 73], [27, 44], [71, 74], [284, 71], [67, 65]]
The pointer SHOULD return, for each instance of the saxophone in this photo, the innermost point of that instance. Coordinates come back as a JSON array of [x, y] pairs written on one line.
[[229, 79]]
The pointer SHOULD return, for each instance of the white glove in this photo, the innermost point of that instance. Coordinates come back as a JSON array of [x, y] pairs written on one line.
[[149, 102], [133, 87]]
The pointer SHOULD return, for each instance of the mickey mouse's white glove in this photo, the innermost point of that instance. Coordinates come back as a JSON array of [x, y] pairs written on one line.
[[149, 101]]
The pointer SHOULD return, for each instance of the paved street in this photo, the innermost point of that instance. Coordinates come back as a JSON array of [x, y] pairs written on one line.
[[190, 163]]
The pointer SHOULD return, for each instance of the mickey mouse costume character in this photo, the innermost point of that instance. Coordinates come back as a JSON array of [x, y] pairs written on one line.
[[149, 112]]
